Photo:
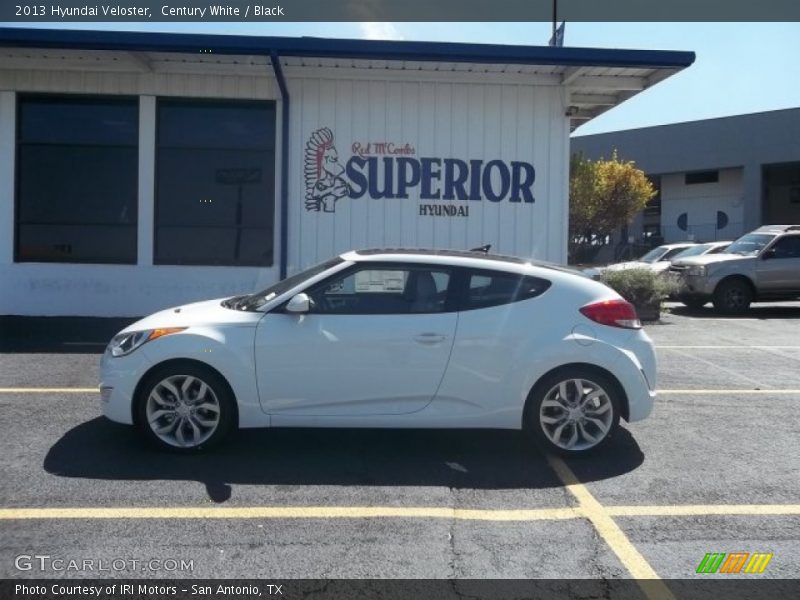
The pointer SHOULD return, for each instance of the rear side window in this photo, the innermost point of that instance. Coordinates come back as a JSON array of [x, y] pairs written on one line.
[[489, 288]]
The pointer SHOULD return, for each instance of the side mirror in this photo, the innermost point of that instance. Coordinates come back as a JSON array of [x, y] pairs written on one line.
[[768, 254], [299, 304]]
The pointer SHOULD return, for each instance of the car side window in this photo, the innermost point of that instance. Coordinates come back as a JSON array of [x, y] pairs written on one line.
[[671, 253], [380, 290], [787, 247], [487, 288]]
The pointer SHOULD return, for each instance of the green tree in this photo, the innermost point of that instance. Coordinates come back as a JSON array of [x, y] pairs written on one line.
[[604, 195]]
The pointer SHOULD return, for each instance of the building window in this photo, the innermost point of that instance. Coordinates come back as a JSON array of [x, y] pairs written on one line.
[[77, 173], [701, 177], [215, 166], [653, 207]]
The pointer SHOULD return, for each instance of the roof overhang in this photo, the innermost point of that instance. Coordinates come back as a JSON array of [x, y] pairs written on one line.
[[596, 79]]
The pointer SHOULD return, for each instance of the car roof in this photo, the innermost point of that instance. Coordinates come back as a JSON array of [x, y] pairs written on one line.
[[776, 229], [428, 252], [677, 245], [464, 258], [715, 244]]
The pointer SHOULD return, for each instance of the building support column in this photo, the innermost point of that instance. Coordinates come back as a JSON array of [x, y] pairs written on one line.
[[752, 192], [8, 118], [146, 182]]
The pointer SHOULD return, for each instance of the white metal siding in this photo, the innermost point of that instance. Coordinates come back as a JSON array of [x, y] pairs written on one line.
[[148, 84], [441, 120], [700, 202]]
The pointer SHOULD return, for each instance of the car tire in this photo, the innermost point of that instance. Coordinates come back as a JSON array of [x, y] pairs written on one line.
[[184, 407], [693, 303], [733, 296], [575, 425]]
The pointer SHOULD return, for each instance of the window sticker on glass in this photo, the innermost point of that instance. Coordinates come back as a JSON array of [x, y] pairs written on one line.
[[392, 282]]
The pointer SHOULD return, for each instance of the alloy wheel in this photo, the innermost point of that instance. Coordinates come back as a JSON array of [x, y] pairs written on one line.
[[183, 411], [576, 414]]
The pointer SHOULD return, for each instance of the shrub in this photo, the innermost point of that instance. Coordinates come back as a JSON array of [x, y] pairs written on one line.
[[640, 287]]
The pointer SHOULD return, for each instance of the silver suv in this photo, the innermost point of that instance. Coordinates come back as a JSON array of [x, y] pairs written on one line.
[[762, 266]]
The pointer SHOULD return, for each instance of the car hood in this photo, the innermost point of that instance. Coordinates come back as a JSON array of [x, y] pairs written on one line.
[[634, 264], [709, 259], [197, 313]]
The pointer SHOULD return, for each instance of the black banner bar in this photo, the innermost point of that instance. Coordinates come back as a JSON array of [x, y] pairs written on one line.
[[151, 11], [751, 588]]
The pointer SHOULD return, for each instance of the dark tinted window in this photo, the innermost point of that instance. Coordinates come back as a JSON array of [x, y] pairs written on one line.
[[701, 177], [488, 288], [376, 289], [787, 247], [77, 177], [215, 182]]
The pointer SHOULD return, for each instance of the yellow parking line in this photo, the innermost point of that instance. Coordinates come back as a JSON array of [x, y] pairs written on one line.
[[704, 510], [365, 512], [53, 390], [631, 558], [289, 512]]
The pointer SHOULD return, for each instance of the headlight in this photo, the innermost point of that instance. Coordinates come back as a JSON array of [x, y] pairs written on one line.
[[697, 271], [125, 343]]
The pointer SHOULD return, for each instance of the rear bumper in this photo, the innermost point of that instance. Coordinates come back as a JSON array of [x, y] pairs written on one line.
[[636, 370], [640, 397]]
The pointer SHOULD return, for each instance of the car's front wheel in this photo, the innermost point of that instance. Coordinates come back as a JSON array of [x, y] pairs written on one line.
[[575, 411], [185, 407], [733, 296]]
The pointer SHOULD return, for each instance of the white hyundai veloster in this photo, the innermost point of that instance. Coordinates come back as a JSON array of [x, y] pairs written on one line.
[[390, 338]]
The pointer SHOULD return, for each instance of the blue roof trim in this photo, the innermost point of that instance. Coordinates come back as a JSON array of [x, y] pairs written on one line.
[[342, 48]]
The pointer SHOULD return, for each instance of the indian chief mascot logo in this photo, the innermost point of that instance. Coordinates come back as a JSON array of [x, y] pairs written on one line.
[[325, 182]]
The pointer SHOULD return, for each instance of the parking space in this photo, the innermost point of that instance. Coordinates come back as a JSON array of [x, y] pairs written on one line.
[[715, 469]]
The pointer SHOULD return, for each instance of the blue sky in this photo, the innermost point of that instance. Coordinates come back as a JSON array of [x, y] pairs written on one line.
[[740, 67]]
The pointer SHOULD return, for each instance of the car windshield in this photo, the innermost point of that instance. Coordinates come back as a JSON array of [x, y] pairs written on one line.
[[694, 251], [654, 255], [254, 301], [750, 244]]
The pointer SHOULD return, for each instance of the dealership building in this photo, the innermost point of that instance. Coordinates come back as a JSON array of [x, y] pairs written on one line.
[[144, 170], [716, 178]]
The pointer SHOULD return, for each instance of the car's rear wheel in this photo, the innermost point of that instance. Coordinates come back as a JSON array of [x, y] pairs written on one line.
[[574, 411], [185, 407], [733, 296]]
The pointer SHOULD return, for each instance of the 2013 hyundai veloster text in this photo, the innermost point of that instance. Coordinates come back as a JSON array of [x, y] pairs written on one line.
[[390, 338]]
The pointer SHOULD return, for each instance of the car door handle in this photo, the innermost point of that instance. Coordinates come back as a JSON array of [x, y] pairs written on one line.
[[429, 338]]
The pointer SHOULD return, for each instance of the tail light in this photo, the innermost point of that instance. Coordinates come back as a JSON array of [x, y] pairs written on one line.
[[616, 313]]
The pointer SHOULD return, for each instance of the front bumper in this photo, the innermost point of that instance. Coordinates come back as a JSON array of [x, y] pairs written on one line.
[[118, 379], [695, 286]]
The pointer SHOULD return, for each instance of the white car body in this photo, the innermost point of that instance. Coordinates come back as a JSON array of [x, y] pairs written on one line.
[[662, 255], [450, 369]]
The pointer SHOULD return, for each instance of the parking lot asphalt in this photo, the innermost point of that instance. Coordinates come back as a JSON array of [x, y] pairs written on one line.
[[716, 468]]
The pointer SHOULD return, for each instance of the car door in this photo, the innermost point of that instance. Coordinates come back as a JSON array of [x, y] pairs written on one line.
[[496, 324], [778, 268], [375, 342]]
